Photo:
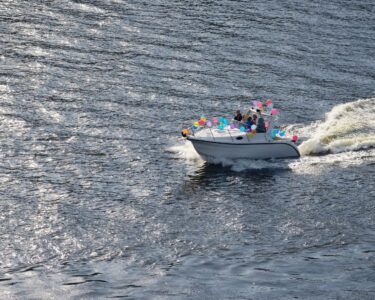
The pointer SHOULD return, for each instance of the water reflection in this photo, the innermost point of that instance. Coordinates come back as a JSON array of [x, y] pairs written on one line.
[[252, 171]]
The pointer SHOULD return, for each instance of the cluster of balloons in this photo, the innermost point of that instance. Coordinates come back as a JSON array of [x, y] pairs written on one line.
[[279, 134], [200, 122], [220, 122], [259, 104], [269, 106]]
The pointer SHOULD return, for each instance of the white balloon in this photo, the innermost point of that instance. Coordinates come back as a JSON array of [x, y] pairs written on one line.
[[253, 127]]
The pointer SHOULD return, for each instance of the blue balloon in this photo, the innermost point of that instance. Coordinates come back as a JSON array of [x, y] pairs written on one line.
[[242, 129]]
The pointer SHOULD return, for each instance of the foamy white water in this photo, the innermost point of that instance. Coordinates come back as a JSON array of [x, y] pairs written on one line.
[[185, 150], [347, 127]]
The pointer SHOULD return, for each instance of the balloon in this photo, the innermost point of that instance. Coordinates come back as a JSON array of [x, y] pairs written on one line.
[[209, 124], [275, 132], [253, 131], [294, 138], [268, 102], [242, 129], [260, 104], [282, 133], [274, 111], [267, 124], [204, 119], [255, 103], [196, 124], [215, 120], [201, 122], [232, 126], [225, 121], [221, 127], [269, 108], [253, 127]]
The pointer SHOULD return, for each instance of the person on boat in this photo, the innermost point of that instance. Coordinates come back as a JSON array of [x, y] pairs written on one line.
[[255, 117], [261, 126], [238, 116], [249, 122]]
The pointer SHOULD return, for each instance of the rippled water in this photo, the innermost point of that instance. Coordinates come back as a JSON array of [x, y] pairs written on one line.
[[101, 199]]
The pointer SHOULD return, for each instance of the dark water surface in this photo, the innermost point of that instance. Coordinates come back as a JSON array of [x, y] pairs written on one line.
[[100, 199]]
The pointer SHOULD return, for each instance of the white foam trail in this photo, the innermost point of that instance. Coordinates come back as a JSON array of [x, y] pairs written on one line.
[[347, 127], [185, 150]]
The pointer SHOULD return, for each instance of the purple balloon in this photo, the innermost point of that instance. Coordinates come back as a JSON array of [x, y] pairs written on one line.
[[232, 126]]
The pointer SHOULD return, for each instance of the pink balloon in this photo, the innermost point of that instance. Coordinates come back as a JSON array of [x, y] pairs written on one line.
[[260, 104], [215, 120], [267, 124], [209, 124], [268, 102], [274, 111]]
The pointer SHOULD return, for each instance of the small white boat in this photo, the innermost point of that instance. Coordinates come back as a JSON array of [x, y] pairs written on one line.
[[231, 142], [239, 146]]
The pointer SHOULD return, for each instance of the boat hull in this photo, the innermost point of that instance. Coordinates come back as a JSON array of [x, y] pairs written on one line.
[[211, 150]]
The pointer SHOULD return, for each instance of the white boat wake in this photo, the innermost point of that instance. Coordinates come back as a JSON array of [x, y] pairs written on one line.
[[347, 127]]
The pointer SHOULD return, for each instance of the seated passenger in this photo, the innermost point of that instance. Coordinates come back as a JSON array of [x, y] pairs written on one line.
[[255, 117], [238, 116], [261, 126], [249, 122]]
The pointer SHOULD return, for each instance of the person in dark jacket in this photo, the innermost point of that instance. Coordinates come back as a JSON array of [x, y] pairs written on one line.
[[249, 122], [238, 116], [261, 126]]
